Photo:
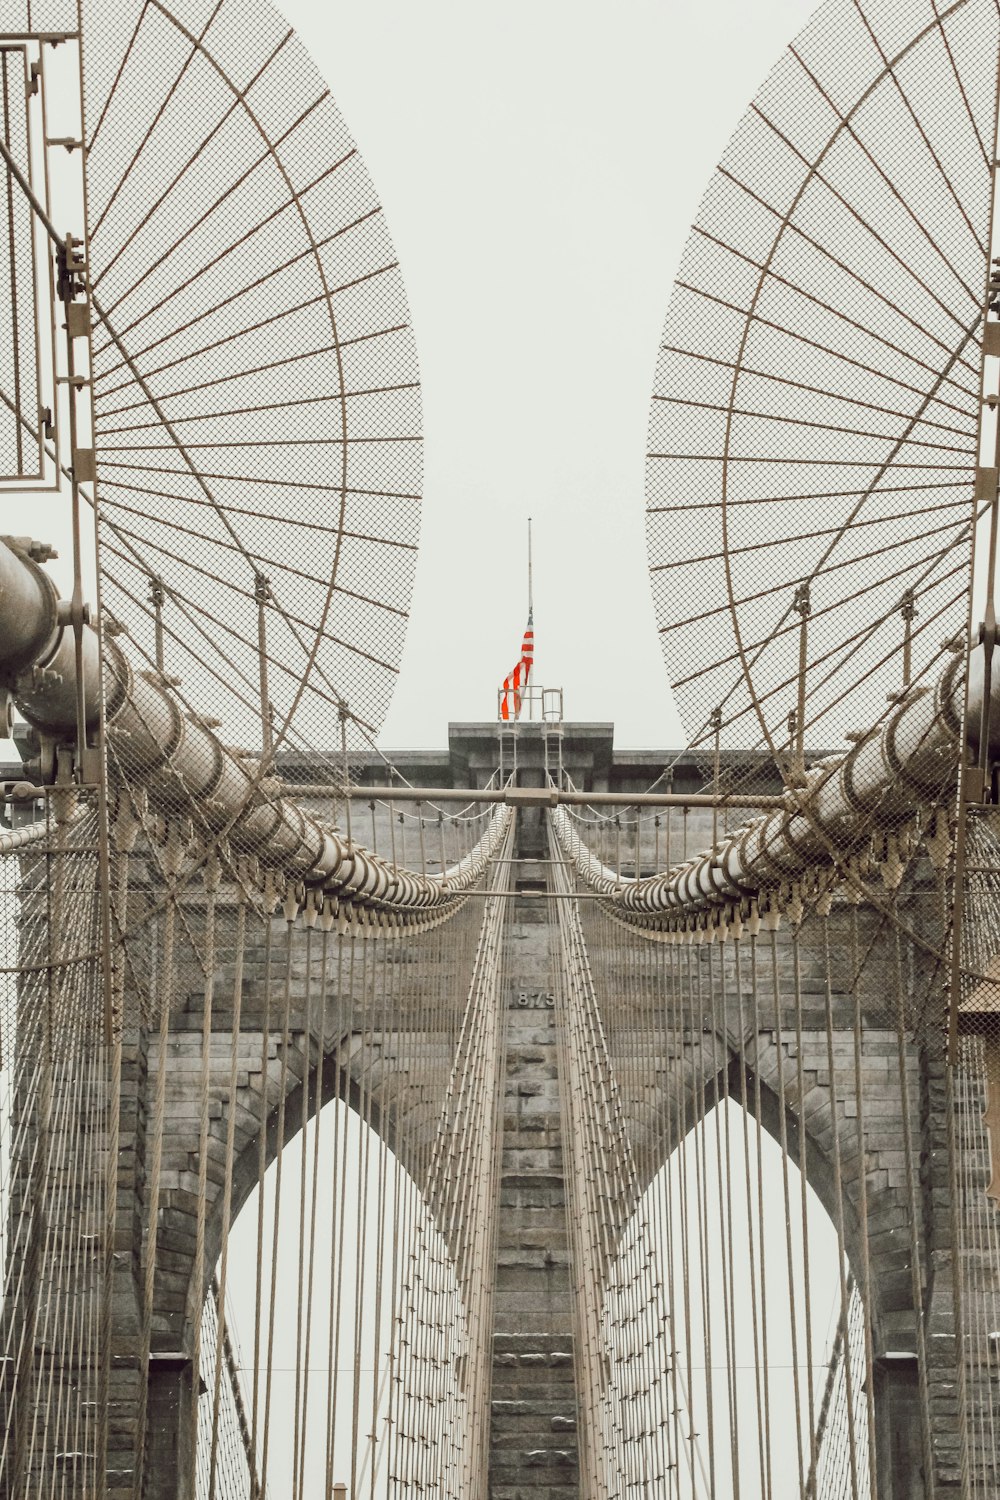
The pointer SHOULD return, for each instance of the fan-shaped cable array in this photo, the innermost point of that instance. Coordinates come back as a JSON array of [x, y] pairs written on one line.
[[813, 432], [255, 381]]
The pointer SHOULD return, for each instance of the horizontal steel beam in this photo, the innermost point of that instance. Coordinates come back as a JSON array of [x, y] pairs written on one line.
[[528, 796]]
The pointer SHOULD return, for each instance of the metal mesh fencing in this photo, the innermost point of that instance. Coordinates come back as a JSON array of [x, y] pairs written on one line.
[[255, 382], [813, 431], [21, 418]]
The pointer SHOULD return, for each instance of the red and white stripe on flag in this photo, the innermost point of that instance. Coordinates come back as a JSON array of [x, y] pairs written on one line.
[[517, 680]]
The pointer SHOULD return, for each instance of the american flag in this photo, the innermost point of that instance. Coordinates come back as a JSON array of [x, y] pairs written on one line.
[[515, 681]]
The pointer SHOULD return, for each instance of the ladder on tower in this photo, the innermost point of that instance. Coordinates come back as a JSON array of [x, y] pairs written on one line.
[[508, 733], [552, 734]]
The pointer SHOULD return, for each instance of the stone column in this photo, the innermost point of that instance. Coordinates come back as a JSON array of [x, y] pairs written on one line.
[[533, 1438]]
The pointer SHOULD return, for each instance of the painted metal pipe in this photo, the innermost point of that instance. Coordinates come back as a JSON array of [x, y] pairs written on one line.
[[29, 610], [184, 768], [910, 757]]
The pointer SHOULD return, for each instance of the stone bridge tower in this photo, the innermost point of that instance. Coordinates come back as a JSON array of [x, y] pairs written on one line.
[[685, 1030]]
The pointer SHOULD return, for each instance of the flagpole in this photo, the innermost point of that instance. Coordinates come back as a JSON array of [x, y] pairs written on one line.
[[530, 599], [531, 608]]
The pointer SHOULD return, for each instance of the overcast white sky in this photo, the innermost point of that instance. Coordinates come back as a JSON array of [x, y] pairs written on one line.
[[539, 162]]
